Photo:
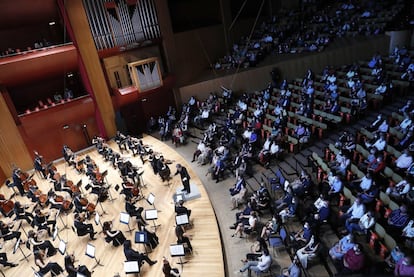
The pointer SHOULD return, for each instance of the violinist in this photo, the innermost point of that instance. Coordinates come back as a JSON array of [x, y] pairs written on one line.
[[41, 221], [52, 199], [128, 170], [142, 150], [132, 143], [83, 228], [132, 210], [34, 239], [20, 212], [39, 165], [18, 181], [130, 190], [46, 266], [6, 233], [83, 205], [99, 143], [52, 172], [72, 270], [91, 168], [61, 185]]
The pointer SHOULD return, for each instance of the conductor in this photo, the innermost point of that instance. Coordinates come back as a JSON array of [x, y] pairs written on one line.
[[185, 177]]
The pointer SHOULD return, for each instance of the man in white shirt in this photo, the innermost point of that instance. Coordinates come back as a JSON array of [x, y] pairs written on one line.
[[259, 266], [399, 190], [363, 184], [363, 225], [404, 161], [355, 212]]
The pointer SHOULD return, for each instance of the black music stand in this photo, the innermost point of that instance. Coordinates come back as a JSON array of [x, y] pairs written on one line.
[[177, 250], [141, 237], [17, 245], [65, 226], [131, 267], [90, 252], [104, 174], [152, 214], [125, 218]]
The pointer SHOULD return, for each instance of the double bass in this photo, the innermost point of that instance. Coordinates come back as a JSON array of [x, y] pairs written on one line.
[[27, 180]]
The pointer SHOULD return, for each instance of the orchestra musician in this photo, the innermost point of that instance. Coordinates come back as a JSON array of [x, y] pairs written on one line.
[[6, 233], [132, 143], [128, 170], [34, 239], [62, 185], [134, 211], [115, 236], [20, 212], [163, 169], [83, 228], [39, 164], [82, 205], [129, 189], [68, 155], [46, 266], [18, 181], [4, 261], [41, 221], [120, 139], [6, 206], [72, 270]]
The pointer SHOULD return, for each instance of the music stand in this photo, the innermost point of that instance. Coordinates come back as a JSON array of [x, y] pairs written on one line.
[[131, 267], [152, 214], [90, 252], [178, 197], [17, 246], [98, 221], [124, 218], [65, 226], [62, 247], [141, 179], [177, 250], [182, 219], [141, 237], [151, 200], [104, 174]]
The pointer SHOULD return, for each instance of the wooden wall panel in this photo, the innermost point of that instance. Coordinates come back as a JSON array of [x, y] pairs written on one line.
[[12, 147], [291, 67], [44, 131], [90, 58]]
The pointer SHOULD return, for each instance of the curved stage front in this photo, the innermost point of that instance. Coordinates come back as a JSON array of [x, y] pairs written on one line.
[[207, 256]]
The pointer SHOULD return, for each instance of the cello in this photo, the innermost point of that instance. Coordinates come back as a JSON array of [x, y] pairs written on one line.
[[6, 206]]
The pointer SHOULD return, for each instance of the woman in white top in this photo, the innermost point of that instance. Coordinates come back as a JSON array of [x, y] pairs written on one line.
[[308, 252], [246, 227]]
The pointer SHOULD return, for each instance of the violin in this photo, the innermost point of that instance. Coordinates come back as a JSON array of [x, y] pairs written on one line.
[[6, 205], [72, 186]]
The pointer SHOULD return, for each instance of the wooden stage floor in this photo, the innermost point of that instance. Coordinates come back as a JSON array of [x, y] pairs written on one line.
[[207, 256]]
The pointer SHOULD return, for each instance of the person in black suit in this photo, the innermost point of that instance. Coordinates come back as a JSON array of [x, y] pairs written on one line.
[[185, 177], [133, 255], [180, 209], [134, 211], [72, 270], [83, 228], [18, 181]]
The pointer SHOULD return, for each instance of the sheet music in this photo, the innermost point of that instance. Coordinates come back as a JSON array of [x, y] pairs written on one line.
[[90, 250], [177, 250], [151, 214], [181, 219], [62, 247], [131, 267], [97, 218], [79, 275], [151, 199], [179, 197], [55, 233], [16, 246], [140, 237], [124, 218]]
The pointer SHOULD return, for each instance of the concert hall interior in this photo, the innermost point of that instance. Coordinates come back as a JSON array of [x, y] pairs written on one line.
[[133, 133]]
